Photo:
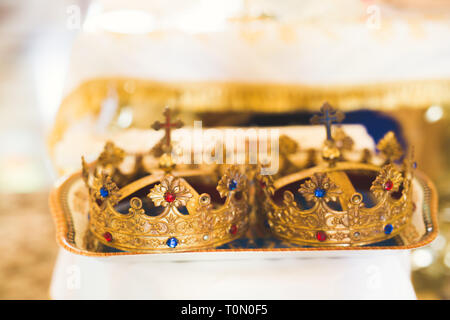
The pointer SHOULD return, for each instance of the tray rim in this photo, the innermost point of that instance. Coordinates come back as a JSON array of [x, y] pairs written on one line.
[[62, 227]]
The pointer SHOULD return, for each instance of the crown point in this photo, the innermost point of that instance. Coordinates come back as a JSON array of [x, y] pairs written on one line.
[[108, 236], [321, 236], [390, 147], [172, 242], [388, 229]]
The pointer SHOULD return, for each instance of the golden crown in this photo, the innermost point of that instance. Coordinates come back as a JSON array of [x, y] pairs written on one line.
[[337, 202], [165, 208]]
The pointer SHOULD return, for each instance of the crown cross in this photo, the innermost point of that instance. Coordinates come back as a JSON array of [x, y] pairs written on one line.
[[167, 125], [328, 115]]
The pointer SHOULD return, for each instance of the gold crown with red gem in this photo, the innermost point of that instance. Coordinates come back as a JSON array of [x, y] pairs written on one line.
[[339, 202], [165, 208]]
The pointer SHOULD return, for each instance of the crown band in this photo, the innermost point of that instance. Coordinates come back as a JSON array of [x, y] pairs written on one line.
[[353, 223], [180, 219]]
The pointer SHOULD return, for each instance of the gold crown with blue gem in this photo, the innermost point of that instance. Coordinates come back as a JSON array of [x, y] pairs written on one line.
[[338, 202], [165, 208]]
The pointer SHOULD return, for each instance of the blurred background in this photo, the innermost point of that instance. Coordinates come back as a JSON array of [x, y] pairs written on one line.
[[37, 37], [34, 53]]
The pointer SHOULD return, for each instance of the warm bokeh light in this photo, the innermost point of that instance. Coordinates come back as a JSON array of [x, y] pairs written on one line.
[[434, 113]]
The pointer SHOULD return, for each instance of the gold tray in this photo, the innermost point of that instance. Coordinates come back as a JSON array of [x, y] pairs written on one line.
[[69, 206]]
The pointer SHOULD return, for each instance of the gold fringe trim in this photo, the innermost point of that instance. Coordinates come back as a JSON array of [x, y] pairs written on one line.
[[218, 97]]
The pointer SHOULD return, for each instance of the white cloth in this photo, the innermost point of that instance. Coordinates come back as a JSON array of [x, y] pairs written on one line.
[[310, 43], [237, 275]]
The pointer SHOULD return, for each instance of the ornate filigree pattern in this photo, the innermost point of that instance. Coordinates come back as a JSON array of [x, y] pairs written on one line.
[[170, 192], [232, 181], [111, 155], [390, 147], [202, 227], [335, 213], [104, 188], [181, 219], [351, 224], [389, 179], [287, 145], [319, 188], [342, 141], [265, 181], [110, 161]]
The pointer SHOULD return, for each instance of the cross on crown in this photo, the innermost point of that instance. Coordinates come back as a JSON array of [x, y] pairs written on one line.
[[168, 126], [328, 115]]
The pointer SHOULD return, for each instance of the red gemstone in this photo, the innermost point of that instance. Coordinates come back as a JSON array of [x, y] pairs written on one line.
[[388, 185], [321, 236], [169, 197], [262, 184], [233, 229], [107, 236]]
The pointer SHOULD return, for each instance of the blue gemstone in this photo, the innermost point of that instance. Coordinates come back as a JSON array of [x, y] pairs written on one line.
[[103, 192], [319, 193], [172, 242], [388, 229], [415, 165], [232, 185]]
